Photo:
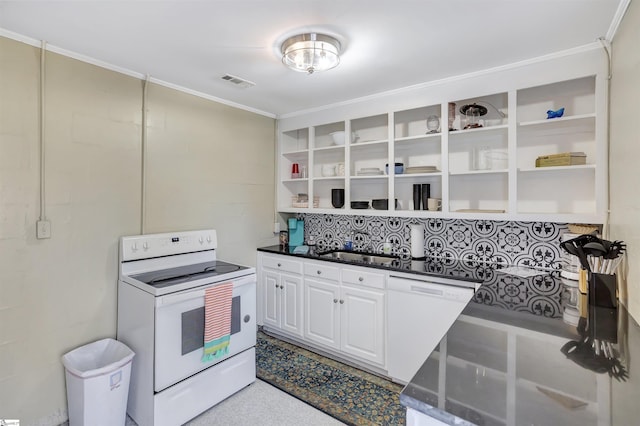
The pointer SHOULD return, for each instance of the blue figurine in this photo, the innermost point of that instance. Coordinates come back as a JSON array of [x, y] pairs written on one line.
[[555, 114]]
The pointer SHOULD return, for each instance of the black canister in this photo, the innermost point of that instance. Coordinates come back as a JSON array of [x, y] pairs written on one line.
[[337, 197], [417, 196], [426, 194]]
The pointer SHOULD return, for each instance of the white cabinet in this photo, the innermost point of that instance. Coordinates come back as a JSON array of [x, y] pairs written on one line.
[[322, 313], [336, 307], [346, 312], [362, 322], [484, 172], [282, 293]]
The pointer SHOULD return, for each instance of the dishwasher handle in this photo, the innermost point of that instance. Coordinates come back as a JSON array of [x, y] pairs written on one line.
[[427, 290], [430, 289]]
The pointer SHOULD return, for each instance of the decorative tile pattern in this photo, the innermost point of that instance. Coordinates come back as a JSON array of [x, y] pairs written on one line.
[[533, 244], [539, 295]]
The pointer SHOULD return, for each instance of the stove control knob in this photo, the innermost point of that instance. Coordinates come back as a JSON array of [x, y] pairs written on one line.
[[145, 246], [201, 240], [134, 247], [208, 238]]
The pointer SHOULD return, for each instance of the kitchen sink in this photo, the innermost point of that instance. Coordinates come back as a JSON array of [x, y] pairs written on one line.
[[360, 257]]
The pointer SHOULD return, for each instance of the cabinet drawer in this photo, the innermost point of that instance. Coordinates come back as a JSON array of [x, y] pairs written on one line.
[[363, 277], [281, 263], [322, 270]]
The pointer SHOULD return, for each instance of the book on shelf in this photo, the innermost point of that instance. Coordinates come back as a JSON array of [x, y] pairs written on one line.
[[562, 159]]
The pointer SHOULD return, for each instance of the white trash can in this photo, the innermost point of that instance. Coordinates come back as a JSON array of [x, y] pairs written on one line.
[[97, 376]]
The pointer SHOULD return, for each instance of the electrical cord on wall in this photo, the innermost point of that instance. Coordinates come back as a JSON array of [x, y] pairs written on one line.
[[143, 180], [41, 124]]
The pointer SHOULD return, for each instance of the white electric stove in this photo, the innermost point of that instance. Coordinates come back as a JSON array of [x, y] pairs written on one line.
[[163, 278]]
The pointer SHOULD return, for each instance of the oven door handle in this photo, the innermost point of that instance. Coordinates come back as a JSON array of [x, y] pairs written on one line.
[[172, 299]]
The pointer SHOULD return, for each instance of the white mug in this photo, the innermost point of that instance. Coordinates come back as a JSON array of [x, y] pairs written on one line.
[[328, 170], [434, 204]]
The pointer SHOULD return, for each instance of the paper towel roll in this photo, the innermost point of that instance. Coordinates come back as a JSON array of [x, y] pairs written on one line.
[[417, 241], [417, 265]]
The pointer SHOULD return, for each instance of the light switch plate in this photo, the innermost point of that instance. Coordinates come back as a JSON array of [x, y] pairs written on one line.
[[43, 229]]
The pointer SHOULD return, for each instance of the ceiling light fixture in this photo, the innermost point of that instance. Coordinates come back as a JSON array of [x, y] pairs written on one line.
[[311, 52]]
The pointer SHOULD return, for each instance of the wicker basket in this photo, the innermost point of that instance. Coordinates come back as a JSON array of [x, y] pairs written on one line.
[[582, 228]]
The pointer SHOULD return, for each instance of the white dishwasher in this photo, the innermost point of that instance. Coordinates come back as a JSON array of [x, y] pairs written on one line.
[[421, 310]]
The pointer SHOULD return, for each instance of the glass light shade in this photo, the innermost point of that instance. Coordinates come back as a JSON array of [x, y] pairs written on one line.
[[311, 52]]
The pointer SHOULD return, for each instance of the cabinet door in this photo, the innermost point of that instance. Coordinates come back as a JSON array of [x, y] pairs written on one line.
[[271, 297], [362, 323], [291, 304], [321, 321]]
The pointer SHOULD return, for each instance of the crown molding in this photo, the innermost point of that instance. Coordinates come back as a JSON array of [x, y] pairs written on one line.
[[141, 76]]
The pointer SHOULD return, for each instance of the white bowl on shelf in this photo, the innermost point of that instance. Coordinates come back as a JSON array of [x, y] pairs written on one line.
[[339, 137]]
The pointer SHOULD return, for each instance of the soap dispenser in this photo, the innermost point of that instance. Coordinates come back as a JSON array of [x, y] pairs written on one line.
[[348, 242], [386, 246]]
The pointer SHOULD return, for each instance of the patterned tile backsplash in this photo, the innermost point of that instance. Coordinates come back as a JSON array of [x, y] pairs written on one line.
[[533, 244]]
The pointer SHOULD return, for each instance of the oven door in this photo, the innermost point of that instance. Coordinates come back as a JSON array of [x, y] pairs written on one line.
[[179, 331]]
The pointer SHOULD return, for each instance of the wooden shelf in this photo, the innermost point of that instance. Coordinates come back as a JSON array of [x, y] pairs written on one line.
[[479, 172], [325, 178], [432, 136], [552, 121], [418, 175], [558, 168], [329, 148], [369, 143], [477, 130], [369, 177]]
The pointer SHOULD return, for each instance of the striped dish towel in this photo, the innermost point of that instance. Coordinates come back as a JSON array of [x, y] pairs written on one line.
[[217, 321]]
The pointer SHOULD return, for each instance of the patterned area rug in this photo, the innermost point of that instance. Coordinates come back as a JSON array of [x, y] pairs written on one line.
[[350, 395]]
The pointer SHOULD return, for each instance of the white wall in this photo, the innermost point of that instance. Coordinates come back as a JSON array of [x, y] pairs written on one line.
[[625, 151], [207, 170], [209, 166]]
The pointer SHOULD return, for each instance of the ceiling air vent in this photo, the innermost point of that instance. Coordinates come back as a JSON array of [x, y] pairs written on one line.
[[237, 81]]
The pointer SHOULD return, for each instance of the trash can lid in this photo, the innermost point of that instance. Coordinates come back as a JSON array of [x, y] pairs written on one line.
[[97, 358]]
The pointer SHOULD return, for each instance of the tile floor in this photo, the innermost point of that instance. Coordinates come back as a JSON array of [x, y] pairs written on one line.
[[264, 405]]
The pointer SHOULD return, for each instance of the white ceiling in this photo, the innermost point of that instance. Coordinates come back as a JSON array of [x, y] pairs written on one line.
[[387, 44]]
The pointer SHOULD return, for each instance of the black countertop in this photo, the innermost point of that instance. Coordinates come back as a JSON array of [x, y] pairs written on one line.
[[521, 353], [502, 366], [437, 267]]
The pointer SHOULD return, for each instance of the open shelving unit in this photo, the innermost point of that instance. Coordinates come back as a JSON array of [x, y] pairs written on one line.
[[485, 172]]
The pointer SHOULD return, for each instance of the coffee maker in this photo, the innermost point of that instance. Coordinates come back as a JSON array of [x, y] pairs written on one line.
[[296, 232]]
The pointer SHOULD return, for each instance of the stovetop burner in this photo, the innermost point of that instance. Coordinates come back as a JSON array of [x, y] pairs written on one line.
[[181, 274]]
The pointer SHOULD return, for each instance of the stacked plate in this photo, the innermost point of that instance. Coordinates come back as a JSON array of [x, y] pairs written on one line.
[[421, 169], [369, 171]]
